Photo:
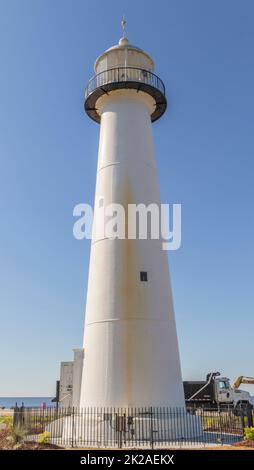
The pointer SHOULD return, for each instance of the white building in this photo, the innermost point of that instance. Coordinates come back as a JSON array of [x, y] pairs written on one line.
[[70, 380], [66, 384]]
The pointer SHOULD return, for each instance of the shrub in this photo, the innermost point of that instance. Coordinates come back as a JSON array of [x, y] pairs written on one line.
[[18, 434], [249, 433], [7, 420], [44, 437], [211, 422]]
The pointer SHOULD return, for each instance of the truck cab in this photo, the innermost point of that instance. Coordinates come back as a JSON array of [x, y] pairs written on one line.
[[223, 391], [225, 394]]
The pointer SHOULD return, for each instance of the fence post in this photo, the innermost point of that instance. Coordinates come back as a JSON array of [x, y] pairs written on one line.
[[15, 416], [249, 417], [151, 427], [221, 426], [72, 427], [242, 419]]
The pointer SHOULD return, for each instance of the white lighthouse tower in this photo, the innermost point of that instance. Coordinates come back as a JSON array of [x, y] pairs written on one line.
[[131, 350]]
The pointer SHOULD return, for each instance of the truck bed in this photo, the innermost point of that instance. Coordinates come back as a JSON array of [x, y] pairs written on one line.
[[191, 387]]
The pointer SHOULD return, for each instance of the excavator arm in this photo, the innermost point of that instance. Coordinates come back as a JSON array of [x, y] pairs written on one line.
[[243, 380]]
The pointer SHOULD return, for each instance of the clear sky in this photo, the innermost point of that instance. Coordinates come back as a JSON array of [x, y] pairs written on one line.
[[203, 50]]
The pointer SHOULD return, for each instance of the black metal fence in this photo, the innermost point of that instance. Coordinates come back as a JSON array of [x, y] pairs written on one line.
[[132, 427]]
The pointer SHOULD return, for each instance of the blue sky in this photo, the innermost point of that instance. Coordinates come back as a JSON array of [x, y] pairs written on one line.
[[48, 151]]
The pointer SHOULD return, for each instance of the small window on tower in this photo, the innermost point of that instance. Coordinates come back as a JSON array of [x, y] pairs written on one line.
[[143, 276]]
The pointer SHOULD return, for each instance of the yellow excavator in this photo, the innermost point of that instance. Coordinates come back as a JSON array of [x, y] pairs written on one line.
[[242, 379]]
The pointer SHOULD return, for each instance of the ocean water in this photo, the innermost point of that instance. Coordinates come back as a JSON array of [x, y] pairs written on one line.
[[32, 402]]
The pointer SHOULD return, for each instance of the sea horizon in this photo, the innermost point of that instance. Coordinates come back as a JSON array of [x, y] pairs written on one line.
[[33, 401]]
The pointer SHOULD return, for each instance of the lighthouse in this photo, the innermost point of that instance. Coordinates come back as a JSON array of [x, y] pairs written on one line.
[[131, 351]]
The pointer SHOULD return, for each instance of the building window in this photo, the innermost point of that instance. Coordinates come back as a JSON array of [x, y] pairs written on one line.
[[143, 276]]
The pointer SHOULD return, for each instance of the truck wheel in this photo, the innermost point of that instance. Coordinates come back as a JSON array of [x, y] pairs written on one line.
[[242, 408], [249, 406]]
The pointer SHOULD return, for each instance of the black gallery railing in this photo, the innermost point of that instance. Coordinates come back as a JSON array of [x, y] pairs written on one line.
[[124, 74], [132, 427]]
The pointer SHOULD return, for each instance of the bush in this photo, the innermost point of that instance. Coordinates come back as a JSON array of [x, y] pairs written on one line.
[[7, 420], [210, 422], [249, 433], [44, 437], [18, 434]]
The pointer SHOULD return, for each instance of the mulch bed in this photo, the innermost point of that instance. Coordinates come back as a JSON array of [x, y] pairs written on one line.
[[4, 443], [36, 446], [7, 444], [248, 443]]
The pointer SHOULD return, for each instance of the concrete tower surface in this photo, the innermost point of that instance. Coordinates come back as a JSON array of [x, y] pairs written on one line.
[[131, 351]]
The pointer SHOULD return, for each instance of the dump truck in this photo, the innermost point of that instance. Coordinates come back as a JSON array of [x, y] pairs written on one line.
[[216, 392]]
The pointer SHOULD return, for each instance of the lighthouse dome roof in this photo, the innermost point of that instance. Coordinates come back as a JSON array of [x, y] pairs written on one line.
[[119, 54], [124, 43]]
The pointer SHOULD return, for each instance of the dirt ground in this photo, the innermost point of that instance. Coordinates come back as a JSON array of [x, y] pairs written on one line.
[[240, 446], [245, 444], [7, 444]]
